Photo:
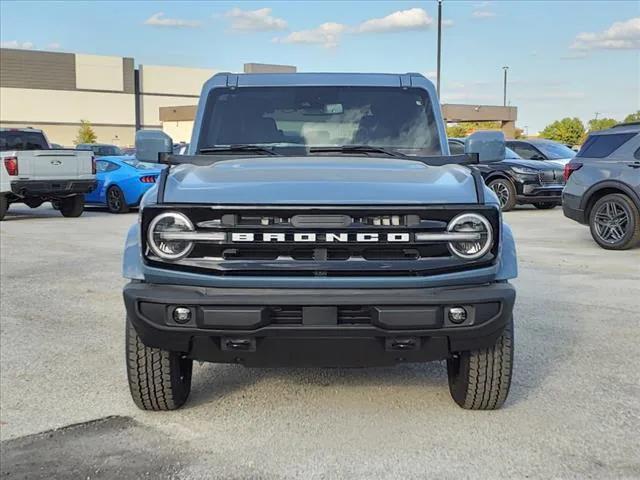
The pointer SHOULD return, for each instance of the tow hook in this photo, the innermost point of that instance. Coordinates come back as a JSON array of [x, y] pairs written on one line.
[[403, 343], [239, 344]]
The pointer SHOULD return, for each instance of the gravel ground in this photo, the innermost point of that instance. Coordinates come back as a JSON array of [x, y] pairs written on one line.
[[573, 411]]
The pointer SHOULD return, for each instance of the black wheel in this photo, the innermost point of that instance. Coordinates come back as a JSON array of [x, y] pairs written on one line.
[[614, 221], [4, 206], [72, 206], [55, 204], [116, 202], [480, 379], [158, 379], [545, 205], [505, 191]]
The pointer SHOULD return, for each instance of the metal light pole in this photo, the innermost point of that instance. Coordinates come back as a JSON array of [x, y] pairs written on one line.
[[506, 69], [439, 46]]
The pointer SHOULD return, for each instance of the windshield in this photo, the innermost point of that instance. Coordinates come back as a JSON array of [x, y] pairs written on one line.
[[141, 165], [22, 140], [395, 118], [510, 154], [555, 151]]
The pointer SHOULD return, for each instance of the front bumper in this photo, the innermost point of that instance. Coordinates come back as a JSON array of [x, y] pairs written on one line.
[[52, 188], [328, 327], [535, 193]]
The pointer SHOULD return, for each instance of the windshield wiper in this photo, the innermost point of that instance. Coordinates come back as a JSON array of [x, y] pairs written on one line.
[[238, 148], [360, 149]]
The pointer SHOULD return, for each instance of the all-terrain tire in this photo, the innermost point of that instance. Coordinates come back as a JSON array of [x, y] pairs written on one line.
[[545, 205], [631, 236], [4, 206], [480, 379], [72, 206], [507, 197], [158, 379]]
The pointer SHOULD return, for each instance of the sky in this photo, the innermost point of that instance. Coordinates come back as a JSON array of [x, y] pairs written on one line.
[[565, 58]]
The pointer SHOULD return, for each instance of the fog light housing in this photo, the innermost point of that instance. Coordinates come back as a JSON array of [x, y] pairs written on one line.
[[182, 314], [457, 314]]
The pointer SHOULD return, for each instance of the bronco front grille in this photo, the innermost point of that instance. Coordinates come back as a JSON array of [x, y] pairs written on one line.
[[321, 241]]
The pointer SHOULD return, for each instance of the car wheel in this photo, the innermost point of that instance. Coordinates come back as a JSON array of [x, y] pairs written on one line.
[[506, 193], [4, 206], [480, 379], [545, 205], [72, 206], [614, 221], [116, 202], [158, 379]]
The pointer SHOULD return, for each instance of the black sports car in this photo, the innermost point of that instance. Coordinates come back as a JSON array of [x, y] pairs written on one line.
[[518, 181]]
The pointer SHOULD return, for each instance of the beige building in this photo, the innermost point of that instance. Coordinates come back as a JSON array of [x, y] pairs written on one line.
[[54, 91]]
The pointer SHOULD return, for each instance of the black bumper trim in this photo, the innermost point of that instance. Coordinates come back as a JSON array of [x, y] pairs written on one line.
[[313, 342], [52, 188], [574, 214]]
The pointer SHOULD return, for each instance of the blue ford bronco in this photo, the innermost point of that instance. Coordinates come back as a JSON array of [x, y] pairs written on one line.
[[319, 220]]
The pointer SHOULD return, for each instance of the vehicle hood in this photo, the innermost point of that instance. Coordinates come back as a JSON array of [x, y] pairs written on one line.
[[534, 164], [320, 180]]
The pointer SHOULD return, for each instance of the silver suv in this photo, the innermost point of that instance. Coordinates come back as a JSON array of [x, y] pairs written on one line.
[[603, 186]]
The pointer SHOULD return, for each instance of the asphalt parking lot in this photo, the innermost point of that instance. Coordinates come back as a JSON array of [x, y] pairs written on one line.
[[573, 411]]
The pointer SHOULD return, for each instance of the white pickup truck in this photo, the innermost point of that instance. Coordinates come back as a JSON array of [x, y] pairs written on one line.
[[31, 172]]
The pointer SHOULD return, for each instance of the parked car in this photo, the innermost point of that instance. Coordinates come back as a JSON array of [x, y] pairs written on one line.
[[541, 149], [122, 181], [603, 186], [31, 172], [100, 149], [342, 251], [516, 181]]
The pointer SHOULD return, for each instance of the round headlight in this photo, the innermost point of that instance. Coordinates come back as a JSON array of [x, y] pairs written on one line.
[[164, 235], [471, 223]]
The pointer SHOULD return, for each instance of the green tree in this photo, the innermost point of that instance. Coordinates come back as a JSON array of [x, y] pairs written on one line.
[[520, 133], [601, 124], [463, 129], [568, 130], [85, 133], [632, 117], [457, 130]]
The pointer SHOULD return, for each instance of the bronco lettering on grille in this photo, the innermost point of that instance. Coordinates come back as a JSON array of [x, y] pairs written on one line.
[[326, 237]]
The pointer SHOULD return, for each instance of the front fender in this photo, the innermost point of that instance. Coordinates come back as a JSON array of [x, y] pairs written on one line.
[[508, 261], [132, 259]]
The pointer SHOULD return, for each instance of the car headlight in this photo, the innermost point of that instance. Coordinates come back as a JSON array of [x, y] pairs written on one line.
[[471, 223], [524, 170], [166, 235]]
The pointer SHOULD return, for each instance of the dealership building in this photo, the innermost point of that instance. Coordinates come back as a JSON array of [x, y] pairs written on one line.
[[54, 91]]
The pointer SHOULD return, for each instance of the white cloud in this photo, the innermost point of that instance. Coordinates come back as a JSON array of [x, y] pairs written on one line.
[[259, 20], [411, 19], [54, 46], [483, 14], [619, 36], [327, 35], [159, 20], [17, 44], [447, 23]]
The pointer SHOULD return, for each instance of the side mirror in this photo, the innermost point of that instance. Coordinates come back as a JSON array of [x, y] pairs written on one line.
[[489, 145], [151, 143]]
